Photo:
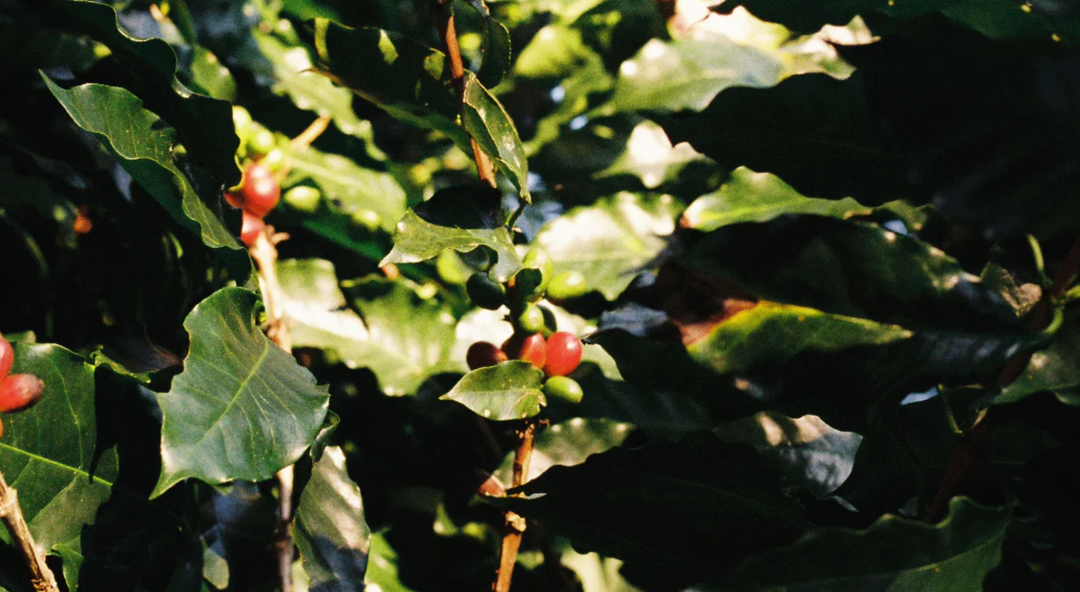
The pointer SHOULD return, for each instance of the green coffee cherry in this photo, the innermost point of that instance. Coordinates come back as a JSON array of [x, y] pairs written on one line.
[[242, 122], [304, 198], [369, 219], [567, 285], [274, 160], [485, 292], [561, 387], [261, 141], [531, 319], [538, 258]]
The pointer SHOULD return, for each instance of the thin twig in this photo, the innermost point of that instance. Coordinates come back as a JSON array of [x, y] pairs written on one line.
[[310, 134], [40, 575], [484, 166], [514, 527], [265, 254], [973, 440]]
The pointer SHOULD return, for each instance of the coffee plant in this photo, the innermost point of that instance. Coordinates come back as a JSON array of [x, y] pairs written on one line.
[[539, 295]]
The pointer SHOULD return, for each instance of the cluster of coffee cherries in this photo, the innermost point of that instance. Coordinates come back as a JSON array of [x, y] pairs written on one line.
[[536, 337], [18, 392], [259, 190]]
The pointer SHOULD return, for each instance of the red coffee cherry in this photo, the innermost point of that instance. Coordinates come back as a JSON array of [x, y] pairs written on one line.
[[7, 358], [19, 392], [563, 354], [258, 192], [252, 228], [530, 348], [483, 354]]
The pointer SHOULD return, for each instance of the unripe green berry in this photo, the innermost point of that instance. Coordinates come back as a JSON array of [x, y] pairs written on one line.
[[304, 198], [274, 160], [567, 285], [538, 258], [261, 142], [561, 387], [369, 219], [242, 122], [485, 292], [531, 319]]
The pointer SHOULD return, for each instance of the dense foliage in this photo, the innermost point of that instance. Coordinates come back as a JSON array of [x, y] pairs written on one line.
[[821, 256]]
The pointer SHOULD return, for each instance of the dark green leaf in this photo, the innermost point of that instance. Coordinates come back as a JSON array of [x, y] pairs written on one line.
[[212, 78], [142, 144], [48, 451], [242, 408], [1053, 369], [691, 509], [331, 532], [610, 241], [893, 555], [490, 125], [383, 567], [568, 443], [18, 190], [459, 218], [812, 131], [759, 197], [495, 47], [510, 390]]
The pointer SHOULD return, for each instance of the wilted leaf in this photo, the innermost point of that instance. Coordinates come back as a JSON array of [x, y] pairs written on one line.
[[510, 390], [242, 408], [331, 532]]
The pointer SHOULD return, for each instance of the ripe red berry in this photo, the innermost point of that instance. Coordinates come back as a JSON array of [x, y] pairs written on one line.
[[483, 354], [252, 228], [7, 358], [258, 192], [531, 348], [563, 354], [19, 392]]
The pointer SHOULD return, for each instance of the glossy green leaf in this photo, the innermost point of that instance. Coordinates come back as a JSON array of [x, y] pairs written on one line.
[[812, 131], [568, 443], [807, 451], [650, 156], [459, 218], [48, 452], [686, 74], [772, 333], [211, 77], [331, 532], [490, 125], [242, 408], [688, 509], [759, 197], [999, 20], [142, 144], [894, 554], [347, 187], [198, 119], [610, 241], [507, 391]]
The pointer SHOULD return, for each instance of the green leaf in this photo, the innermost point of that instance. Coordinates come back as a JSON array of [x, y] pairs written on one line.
[[568, 443], [812, 131], [650, 156], [490, 125], [807, 451], [686, 74], [495, 47], [383, 566], [459, 218], [242, 408], [197, 119], [1053, 369], [689, 509], [610, 241], [48, 451], [348, 188], [331, 532], [510, 390], [772, 333], [210, 76], [894, 554], [142, 144], [759, 197]]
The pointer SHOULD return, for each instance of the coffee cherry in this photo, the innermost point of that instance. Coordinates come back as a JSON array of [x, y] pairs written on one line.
[[483, 354], [19, 392], [530, 348], [531, 319], [260, 191], [7, 358], [253, 226], [369, 219], [485, 292], [538, 258], [563, 354], [567, 285], [561, 387], [274, 160], [242, 122], [261, 141], [304, 198]]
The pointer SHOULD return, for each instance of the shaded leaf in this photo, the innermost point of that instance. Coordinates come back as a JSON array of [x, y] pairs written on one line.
[[495, 47], [210, 76], [610, 241], [331, 532], [510, 390], [650, 156], [689, 509], [893, 554], [748, 196], [1053, 369], [49, 451], [383, 566], [459, 218], [568, 443], [242, 408], [21, 190], [142, 144]]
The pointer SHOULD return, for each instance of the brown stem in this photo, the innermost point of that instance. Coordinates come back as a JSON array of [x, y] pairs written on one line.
[[514, 527], [484, 166], [973, 440], [41, 576], [265, 254]]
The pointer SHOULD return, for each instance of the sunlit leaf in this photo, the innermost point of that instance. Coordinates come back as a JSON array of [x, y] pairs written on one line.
[[510, 390]]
